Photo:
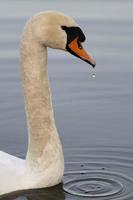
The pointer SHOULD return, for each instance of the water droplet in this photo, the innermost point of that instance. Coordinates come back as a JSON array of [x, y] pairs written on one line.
[[93, 75]]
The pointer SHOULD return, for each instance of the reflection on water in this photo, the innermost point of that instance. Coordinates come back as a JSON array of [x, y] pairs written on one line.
[[53, 193], [93, 115]]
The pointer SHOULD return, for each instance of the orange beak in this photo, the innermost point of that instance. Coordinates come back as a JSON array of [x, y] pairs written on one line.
[[77, 49]]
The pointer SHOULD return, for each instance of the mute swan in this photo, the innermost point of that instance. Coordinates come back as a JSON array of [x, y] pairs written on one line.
[[44, 163]]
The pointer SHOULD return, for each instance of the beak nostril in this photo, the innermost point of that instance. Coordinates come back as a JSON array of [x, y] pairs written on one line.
[[79, 44]]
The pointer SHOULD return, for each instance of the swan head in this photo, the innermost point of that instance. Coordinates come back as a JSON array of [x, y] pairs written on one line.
[[58, 31]]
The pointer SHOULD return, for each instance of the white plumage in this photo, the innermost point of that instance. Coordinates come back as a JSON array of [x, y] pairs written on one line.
[[44, 163]]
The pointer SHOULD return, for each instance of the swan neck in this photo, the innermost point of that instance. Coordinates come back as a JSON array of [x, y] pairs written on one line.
[[42, 131]]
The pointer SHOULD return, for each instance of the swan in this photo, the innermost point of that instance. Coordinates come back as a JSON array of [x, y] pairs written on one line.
[[44, 163]]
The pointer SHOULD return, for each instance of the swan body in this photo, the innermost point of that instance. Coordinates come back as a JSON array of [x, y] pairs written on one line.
[[44, 163]]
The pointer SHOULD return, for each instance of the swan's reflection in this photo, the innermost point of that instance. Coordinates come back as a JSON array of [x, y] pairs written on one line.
[[53, 193]]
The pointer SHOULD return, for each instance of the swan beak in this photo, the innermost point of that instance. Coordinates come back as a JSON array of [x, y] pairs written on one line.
[[75, 48]]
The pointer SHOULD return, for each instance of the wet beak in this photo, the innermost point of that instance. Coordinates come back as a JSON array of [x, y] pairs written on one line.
[[77, 49]]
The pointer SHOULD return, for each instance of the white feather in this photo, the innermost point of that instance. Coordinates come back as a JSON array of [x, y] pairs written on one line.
[[44, 164]]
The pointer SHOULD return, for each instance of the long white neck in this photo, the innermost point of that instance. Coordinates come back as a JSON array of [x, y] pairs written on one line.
[[43, 141]]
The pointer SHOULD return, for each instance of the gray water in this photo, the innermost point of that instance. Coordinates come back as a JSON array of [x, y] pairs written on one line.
[[93, 115]]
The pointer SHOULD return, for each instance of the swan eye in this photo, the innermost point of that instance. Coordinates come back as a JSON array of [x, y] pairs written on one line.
[[64, 27]]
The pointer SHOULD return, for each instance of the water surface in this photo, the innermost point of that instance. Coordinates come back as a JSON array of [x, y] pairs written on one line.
[[93, 115]]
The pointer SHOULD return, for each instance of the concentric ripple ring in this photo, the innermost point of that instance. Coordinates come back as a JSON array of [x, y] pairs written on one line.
[[100, 178], [97, 184]]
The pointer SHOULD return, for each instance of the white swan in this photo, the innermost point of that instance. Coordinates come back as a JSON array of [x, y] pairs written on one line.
[[44, 164]]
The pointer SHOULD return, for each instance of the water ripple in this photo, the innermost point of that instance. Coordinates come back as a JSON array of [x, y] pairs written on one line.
[[100, 173]]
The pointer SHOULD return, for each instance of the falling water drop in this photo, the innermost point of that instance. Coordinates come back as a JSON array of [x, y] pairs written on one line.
[[93, 75]]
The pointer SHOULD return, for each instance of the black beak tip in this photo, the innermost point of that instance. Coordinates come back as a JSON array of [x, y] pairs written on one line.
[[92, 63]]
